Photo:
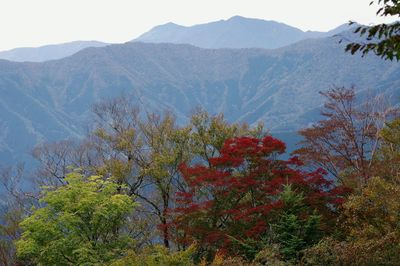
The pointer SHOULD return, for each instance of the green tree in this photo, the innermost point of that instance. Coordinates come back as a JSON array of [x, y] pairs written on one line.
[[81, 223], [295, 231], [382, 39]]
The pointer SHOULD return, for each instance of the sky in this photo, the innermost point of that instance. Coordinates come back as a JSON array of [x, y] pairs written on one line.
[[32, 23]]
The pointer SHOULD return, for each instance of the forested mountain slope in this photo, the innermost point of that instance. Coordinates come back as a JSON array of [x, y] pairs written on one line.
[[52, 100]]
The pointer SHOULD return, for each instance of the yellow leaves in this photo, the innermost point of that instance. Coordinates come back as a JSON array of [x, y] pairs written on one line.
[[158, 255], [370, 219], [218, 259], [118, 169], [102, 134], [374, 211], [94, 178], [391, 133], [246, 198], [125, 139]]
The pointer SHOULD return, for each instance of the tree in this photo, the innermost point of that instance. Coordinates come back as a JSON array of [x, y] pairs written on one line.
[[14, 204], [382, 39], [389, 152], [81, 223], [368, 226], [232, 203], [10, 216], [209, 133], [370, 229], [57, 159], [295, 231], [144, 151], [346, 142], [158, 255]]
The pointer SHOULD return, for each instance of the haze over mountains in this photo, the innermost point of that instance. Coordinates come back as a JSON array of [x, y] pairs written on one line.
[[52, 100], [236, 32], [47, 52]]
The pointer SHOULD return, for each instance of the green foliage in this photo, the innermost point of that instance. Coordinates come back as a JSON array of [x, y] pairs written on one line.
[[81, 223], [158, 255], [294, 231], [382, 39], [295, 228], [252, 209]]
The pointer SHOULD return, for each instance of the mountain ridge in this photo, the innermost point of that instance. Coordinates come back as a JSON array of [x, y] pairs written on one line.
[[52, 100], [235, 32], [47, 52]]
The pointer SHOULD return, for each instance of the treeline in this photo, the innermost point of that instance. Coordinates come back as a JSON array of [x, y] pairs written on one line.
[[142, 190]]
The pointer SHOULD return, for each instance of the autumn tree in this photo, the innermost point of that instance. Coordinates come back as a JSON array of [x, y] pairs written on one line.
[[370, 229], [389, 152], [158, 255], [209, 133], [144, 151], [346, 142], [232, 203], [57, 159], [382, 39], [10, 217], [140, 150], [15, 203], [368, 226]]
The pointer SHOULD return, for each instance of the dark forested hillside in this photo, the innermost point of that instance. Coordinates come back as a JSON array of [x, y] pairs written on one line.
[[52, 100]]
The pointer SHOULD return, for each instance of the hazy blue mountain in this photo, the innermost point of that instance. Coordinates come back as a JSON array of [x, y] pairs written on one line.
[[52, 100], [236, 32], [47, 52]]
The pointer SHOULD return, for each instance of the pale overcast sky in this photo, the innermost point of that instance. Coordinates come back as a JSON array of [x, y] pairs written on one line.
[[37, 22]]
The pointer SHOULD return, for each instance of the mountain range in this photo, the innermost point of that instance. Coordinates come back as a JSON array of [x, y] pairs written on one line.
[[236, 32], [47, 52], [52, 100]]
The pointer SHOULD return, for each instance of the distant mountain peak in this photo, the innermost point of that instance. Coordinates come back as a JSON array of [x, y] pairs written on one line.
[[235, 32], [237, 17], [48, 52], [169, 25]]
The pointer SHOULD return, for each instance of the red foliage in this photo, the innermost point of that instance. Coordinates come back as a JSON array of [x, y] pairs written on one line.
[[238, 195]]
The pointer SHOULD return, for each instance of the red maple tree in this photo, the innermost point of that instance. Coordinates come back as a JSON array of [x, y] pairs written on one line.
[[236, 197]]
